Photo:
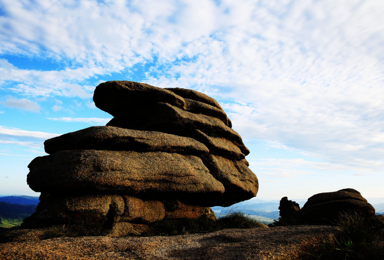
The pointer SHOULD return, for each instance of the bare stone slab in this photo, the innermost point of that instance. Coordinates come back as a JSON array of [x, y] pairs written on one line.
[[167, 118], [142, 211], [239, 181], [195, 95], [115, 138], [219, 146], [83, 208], [180, 210], [198, 107], [121, 172], [115, 97]]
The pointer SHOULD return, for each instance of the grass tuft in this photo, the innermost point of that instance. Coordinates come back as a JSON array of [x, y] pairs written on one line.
[[89, 223], [282, 222], [9, 223], [202, 224], [360, 237]]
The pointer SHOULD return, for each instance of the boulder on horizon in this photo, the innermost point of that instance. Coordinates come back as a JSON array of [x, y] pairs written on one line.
[[326, 208]]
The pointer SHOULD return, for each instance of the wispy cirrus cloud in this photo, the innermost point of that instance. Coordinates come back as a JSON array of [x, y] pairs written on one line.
[[22, 104], [16, 155], [31, 139], [97, 121], [4, 64], [29, 144], [19, 133], [301, 74], [295, 167]]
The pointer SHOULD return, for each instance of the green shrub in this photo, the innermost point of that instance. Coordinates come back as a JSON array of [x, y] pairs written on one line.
[[237, 220], [282, 222], [8, 223], [74, 230], [90, 223], [93, 224], [202, 224], [360, 237]]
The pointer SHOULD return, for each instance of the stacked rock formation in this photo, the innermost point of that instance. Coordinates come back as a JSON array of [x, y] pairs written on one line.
[[325, 208], [166, 154]]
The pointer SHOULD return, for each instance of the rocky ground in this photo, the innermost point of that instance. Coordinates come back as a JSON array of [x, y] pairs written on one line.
[[257, 243]]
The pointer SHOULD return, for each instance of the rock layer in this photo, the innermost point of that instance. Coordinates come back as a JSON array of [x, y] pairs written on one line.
[[166, 154], [164, 117], [115, 138], [121, 172], [116, 97]]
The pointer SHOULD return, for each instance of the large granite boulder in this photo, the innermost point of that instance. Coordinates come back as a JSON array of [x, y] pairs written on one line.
[[166, 154], [325, 208]]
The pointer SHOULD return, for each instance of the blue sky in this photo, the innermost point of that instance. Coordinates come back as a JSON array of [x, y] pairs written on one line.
[[302, 81]]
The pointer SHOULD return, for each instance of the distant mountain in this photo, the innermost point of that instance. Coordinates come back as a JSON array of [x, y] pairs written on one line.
[[256, 205], [267, 210], [249, 205], [266, 214], [262, 211], [15, 211], [379, 207], [21, 200]]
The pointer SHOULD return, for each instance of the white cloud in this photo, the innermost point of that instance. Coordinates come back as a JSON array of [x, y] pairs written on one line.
[[301, 74], [56, 108], [98, 121], [278, 146], [6, 65], [58, 105], [23, 104], [91, 105], [2, 112], [29, 144], [10, 154], [291, 168], [31, 139], [14, 132]]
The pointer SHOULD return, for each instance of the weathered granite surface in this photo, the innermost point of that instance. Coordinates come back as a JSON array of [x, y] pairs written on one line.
[[163, 147]]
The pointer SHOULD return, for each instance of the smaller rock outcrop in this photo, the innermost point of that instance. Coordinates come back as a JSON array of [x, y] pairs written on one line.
[[288, 209], [325, 208]]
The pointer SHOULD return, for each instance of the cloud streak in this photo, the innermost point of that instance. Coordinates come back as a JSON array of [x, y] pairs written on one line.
[[18, 133], [19, 137], [6, 65], [23, 104], [295, 167], [29, 144], [98, 121]]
